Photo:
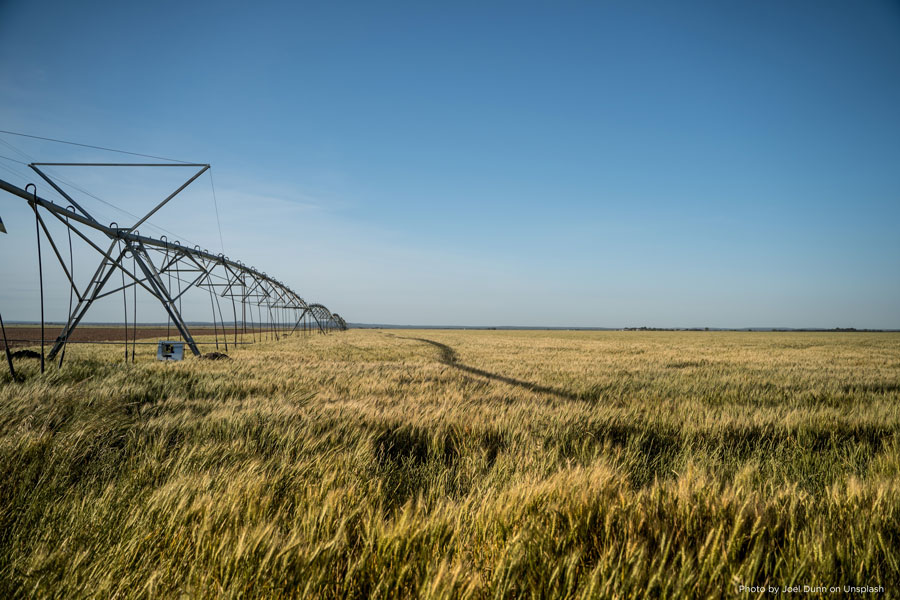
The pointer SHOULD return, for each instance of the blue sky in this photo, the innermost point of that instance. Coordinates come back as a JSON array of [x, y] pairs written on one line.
[[722, 164]]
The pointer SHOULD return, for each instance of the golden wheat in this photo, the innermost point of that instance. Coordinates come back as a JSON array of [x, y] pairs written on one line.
[[457, 464]]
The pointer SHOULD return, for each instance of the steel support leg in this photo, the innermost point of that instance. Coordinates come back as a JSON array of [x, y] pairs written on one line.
[[155, 280], [101, 276]]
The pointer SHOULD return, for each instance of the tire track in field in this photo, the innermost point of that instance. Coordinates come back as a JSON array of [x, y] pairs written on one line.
[[450, 358]]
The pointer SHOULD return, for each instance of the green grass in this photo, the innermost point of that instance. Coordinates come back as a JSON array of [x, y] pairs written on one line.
[[482, 464]]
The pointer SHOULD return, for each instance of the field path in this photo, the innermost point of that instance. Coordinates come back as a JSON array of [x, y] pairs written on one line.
[[450, 358]]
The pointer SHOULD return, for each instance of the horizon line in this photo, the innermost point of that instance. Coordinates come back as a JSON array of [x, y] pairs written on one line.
[[488, 327]]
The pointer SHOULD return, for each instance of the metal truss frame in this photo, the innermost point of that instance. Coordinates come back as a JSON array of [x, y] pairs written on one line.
[[155, 262]]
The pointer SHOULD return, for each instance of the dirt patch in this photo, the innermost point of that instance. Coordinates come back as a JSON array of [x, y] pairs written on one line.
[[29, 335]]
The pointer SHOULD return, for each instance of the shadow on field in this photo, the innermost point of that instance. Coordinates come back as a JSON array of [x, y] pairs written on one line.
[[413, 461], [448, 357]]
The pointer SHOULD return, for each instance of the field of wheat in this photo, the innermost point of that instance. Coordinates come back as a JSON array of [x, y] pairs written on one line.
[[458, 464]]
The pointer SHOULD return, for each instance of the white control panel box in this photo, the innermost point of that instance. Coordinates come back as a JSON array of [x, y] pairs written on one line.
[[170, 350]]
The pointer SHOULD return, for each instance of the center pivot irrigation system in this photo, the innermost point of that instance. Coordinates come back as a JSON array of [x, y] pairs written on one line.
[[166, 270]]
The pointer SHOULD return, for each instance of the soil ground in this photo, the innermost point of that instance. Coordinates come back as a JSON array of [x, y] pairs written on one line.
[[29, 335]]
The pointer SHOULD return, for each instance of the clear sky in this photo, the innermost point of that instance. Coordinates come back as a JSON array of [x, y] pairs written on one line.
[[722, 164]]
